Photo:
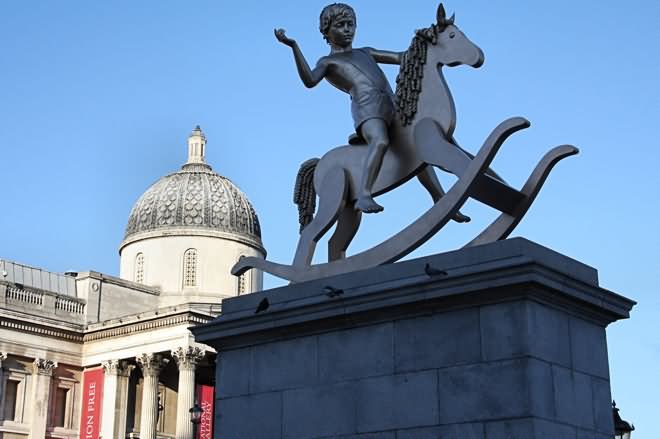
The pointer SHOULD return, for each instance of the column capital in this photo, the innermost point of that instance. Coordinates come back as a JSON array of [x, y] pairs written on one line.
[[151, 364], [42, 366], [117, 367], [3, 357], [188, 357]]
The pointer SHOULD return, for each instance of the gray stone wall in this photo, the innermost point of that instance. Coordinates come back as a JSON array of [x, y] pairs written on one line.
[[518, 369], [513, 354], [118, 300], [109, 297]]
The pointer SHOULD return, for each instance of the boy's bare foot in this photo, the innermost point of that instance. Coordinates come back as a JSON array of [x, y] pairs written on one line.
[[367, 205], [460, 218]]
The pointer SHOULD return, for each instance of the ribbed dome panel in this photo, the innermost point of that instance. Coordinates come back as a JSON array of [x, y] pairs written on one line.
[[196, 198]]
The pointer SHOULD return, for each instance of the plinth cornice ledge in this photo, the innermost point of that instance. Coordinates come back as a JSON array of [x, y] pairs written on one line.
[[492, 273]]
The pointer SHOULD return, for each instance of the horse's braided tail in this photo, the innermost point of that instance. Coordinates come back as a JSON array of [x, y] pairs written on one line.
[[304, 194]]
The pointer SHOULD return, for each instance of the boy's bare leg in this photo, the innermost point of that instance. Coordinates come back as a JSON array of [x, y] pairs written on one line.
[[374, 132], [430, 181]]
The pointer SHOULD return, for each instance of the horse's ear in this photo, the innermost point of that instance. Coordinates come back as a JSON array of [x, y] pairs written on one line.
[[451, 19], [441, 15]]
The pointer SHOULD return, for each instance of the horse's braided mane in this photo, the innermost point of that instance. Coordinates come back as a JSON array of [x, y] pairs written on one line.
[[411, 72], [304, 194]]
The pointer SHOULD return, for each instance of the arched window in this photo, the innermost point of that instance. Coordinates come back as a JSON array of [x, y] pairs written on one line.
[[241, 284], [139, 268], [242, 281], [190, 268]]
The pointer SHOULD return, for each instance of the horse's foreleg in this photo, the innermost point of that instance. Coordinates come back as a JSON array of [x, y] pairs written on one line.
[[433, 148], [436, 149], [332, 198], [347, 226], [489, 171]]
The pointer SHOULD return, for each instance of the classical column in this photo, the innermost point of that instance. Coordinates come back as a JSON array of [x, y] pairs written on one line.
[[42, 371], [3, 357], [187, 359], [123, 378], [115, 398], [151, 365]]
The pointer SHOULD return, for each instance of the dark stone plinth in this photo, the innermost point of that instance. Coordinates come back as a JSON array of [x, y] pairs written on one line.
[[505, 340]]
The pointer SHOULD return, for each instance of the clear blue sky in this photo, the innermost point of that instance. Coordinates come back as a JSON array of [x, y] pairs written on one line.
[[97, 99]]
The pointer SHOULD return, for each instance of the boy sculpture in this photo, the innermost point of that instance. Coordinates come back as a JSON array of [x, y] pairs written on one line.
[[356, 72]]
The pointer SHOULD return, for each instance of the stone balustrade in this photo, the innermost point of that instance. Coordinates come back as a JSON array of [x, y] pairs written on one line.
[[16, 294], [40, 302], [70, 305]]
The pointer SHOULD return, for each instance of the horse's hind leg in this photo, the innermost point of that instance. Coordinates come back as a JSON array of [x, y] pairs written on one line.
[[332, 198], [347, 226], [430, 181]]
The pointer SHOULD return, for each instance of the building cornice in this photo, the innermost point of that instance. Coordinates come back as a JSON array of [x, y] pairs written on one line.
[[205, 309], [191, 318], [82, 334], [45, 321], [190, 231], [72, 335], [119, 282]]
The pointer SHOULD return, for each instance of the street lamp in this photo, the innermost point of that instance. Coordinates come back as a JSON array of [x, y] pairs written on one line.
[[622, 430], [195, 417]]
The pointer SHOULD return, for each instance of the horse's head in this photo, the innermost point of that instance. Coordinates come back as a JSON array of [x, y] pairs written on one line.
[[447, 45], [440, 44]]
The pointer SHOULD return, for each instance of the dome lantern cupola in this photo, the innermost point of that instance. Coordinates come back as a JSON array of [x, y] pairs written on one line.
[[196, 146]]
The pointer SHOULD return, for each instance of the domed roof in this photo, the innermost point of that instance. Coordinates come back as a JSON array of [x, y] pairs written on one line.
[[195, 199]]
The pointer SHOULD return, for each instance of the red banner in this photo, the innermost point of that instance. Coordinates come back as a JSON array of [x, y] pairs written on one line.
[[205, 396], [92, 399]]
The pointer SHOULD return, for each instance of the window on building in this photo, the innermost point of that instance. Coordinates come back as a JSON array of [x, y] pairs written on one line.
[[190, 268], [11, 398], [243, 281], [139, 268], [61, 399], [241, 284]]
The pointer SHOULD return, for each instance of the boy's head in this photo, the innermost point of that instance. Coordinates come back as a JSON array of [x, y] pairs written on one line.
[[334, 12]]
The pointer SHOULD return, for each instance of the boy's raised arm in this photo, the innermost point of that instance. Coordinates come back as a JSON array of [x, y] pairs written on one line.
[[386, 56], [308, 76]]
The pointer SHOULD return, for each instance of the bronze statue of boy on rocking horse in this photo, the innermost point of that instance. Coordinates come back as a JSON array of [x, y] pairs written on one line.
[[407, 133]]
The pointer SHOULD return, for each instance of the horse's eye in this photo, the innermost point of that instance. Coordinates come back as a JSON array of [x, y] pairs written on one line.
[[452, 34]]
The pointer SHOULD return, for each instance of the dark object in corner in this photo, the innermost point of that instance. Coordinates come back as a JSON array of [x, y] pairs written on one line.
[[432, 271], [263, 306], [332, 291]]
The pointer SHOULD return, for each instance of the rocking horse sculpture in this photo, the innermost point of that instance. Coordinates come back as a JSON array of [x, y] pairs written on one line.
[[420, 136]]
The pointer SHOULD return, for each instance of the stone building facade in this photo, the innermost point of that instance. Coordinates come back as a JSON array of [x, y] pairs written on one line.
[[88, 355]]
